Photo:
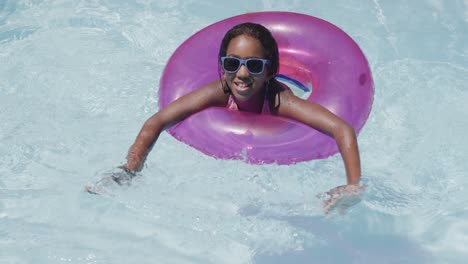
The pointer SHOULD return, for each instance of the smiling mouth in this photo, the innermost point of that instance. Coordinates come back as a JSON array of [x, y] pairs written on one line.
[[243, 85]]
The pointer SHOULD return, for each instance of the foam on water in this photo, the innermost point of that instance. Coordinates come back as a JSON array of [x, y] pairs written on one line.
[[78, 79]]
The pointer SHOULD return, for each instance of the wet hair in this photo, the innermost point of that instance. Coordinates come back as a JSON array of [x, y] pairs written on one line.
[[270, 49], [259, 32]]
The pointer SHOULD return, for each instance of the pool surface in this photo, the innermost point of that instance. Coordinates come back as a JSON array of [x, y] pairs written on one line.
[[79, 78]]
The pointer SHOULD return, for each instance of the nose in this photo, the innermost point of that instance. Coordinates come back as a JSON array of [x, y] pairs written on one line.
[[243, 72]]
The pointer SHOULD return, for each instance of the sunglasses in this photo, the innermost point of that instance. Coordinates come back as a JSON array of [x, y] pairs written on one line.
[[253, 65]]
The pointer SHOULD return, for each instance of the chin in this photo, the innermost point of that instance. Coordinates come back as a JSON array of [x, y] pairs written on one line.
[[241, 98]]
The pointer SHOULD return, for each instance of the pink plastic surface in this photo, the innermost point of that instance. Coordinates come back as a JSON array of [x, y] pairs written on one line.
[[312, 51]]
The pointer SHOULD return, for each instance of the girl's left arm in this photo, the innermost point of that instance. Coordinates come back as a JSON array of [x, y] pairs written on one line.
[[320, 118]]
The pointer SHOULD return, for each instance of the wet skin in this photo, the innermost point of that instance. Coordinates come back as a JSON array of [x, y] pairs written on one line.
[[248, 92]]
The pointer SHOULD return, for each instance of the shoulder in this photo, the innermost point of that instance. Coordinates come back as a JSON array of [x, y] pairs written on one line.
[[217, 93], [280, 97], [209, 95], [212, 94], [283, 102]]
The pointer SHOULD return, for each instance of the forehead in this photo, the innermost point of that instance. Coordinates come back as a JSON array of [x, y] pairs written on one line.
[[245, 46]]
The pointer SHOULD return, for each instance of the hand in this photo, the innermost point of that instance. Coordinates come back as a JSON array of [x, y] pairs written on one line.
[[341, 198], [109, 180], [123, 177]]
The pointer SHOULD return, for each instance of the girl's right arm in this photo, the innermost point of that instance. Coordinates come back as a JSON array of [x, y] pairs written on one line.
[[209, 95]]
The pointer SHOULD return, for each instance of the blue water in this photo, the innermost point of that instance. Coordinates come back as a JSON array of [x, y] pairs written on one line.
[[78, 79]]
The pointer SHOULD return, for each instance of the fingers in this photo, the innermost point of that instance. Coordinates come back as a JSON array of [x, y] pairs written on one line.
[[121, 178], [341, 198], [328, 205], [108, 181], [91, 189]]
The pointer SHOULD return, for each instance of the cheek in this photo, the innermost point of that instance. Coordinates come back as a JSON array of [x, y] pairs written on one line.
[[261, 79], [229, 76]]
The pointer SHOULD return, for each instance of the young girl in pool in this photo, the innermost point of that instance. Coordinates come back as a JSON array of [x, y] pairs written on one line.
[[249, 61]]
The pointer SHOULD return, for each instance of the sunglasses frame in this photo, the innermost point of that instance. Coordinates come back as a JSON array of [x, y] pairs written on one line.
[[244, 62]]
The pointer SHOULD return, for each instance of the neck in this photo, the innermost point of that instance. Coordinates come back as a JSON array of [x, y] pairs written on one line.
[[254, 104]]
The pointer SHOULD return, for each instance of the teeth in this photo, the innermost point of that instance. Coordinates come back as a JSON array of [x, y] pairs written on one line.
[[242, 84]]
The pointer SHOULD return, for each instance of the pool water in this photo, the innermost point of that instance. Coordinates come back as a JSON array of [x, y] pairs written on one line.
[[79, 78]]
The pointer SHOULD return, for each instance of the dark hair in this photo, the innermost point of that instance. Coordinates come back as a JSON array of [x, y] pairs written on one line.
[[259, 32]]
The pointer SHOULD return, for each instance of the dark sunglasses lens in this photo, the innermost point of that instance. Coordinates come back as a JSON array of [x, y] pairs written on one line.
[[255, 66], [231, 64]]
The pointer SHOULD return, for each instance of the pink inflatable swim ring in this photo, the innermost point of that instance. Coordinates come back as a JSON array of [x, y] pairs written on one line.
[[313, 53]]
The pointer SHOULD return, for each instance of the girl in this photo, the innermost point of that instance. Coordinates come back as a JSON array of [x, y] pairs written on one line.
[[249, 61]]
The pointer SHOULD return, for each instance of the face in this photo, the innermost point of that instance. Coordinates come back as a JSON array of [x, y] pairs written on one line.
[[243, 85]]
